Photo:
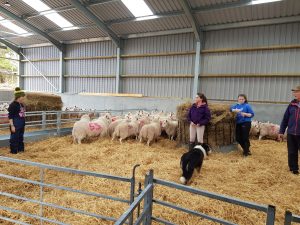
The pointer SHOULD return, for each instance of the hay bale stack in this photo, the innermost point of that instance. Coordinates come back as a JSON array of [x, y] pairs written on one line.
[[219, 132], [35, 101]]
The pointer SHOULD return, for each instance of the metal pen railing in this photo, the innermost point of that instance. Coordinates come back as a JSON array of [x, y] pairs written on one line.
[[42, 184], [290, 217], [268, 209], [43, 119], [147, 196]]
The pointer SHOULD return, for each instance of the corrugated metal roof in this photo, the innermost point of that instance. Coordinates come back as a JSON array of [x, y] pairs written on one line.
[[116, 10], [18, 8], [34, 39], [201, 3], [91, 32], [250, 12], [56, 3], [166, 23], [42, 23], [111, 11], [159, 6]]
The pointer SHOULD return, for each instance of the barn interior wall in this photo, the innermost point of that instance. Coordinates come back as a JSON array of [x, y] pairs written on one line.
[[265, 75]]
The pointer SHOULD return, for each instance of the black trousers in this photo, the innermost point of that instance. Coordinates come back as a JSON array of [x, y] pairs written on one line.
[[17, 141], [242, 135], [293, 144]]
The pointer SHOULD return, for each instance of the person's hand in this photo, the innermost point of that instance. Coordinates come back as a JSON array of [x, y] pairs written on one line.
[[13, 129], [243, 114], [280, 137], [193, 124]]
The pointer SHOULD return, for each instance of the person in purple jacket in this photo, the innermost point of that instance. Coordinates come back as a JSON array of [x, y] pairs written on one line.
[[198, 116], [291, 120]]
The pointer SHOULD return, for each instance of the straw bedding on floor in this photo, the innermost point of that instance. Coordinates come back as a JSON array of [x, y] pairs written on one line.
[[262, 178]]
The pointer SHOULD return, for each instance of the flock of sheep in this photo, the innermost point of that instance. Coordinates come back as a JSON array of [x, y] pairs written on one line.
[[141, 125]]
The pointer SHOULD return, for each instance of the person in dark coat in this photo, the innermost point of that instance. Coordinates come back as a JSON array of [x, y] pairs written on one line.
[[16, 115], [291, 120], [198, 116]]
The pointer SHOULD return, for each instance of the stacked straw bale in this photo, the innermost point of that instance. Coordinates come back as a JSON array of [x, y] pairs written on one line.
[[219, 132], [35, 101]]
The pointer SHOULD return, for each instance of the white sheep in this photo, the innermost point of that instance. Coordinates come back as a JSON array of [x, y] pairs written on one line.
[[170, 127], [126, 129], [80, 129], [150, 131]]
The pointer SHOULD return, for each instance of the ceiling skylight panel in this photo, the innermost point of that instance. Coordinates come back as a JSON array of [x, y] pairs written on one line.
[[13, 27], [37, 5], [59, 20], [138, 7], [255, 2]]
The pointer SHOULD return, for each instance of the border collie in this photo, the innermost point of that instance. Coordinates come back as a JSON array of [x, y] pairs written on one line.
[[193, 160]]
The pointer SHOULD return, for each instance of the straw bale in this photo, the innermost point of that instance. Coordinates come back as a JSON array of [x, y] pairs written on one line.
[[220, 130], [36, 101], [261, 178]]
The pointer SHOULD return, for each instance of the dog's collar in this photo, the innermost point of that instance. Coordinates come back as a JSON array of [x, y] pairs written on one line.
[[202, 150]]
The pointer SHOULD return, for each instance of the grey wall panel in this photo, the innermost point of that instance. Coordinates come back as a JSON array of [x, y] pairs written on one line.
[[46, 68], [40, 84], [103, 48], [163, 87], [279, 61], [282, 34], [100, 85], [258, 62], [41, 52], [257, 89], [159, 65], [162, 65], [91, 67], [168, 43]]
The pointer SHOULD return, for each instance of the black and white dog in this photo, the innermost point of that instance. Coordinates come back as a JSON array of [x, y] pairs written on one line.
[[193, 160]]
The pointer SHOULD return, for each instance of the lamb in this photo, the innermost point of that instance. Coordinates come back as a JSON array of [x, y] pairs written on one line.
[[255, 127], [170, 128], [270, 130], [113, 125], [126, 129], [80, 130], [150, 131]]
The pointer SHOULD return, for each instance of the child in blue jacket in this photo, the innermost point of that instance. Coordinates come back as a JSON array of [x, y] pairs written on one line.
[[291, 120], [16, 115], [243, 122]]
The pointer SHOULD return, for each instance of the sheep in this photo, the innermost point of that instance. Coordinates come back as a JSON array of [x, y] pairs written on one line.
[[170, 127], [150, 131], [80, 129], [255, 127], [270, 130], [126, 129], [103, 122]]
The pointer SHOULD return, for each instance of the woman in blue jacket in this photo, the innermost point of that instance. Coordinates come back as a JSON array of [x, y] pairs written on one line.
[[291, 120], [243, 122], [198, 116], [16, 115]]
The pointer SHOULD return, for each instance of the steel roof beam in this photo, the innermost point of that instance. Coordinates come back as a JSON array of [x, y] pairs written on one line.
[[188, 12], [9, 44], [31, 27], [97, 21], [222, 6]]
